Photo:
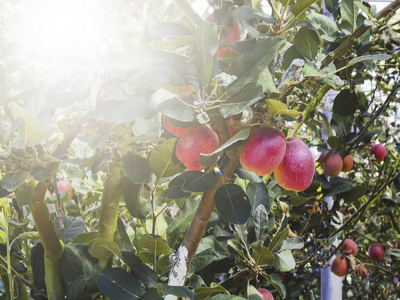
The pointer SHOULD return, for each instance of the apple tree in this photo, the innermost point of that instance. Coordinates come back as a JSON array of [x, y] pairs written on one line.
[[215, 156]]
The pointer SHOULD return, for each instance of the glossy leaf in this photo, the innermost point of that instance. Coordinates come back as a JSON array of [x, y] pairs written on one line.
[[306, 42], [232, 203], [103, 247], [276, 283], [184, 217], [284, 261], [137, 206], [119, 284], [175, 189], [197, 181], [345, 103], [301, 6], [161, 160], [261, 254], [155, 245], [24, 195], [349, 13], [136, 168]]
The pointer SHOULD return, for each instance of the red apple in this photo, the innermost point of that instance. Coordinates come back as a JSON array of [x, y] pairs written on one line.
[[362, 271], [347, 163], [64, 185], [332, 165], [378, 151], [193, 141], [349, 246], [177, 131], [263, 151], [296, 170], [339, 266], [376, 252], [266, 294]]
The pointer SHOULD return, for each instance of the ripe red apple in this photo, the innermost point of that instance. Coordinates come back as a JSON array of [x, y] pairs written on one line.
[[263, 151], [349, 246], [193, 141], [378, 151], [339, 266], [347, 163], [64, 185], [177, 131], [332, 165], [376, 252], [266, 294], [296, 170]]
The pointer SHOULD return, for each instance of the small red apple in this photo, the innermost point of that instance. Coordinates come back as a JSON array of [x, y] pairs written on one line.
[[332, 165], [339, 266], [349, 246], [378, 151], [267, 295], [193, 141], [376, 252], [296, 170], [64, 185], [347, 163], [263, 151], [177, 131]]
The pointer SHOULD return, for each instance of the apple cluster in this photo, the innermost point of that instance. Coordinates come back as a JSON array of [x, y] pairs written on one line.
[[267, 151]]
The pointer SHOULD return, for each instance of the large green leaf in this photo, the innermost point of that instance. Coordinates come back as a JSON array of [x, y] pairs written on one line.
[[248, 94], [31, 130], [301, 6], [284, 261], [161, 160], [203, 293], [277, 283], [137, 206], [197, 181], [207, 43], [175, 189], [24, 195], [232, 203], [281, 234], [349, 13], [119, 284], [11, 181], [249, 66], [261, 254], [136, 168], [179, 291], [306, 42], [103, 248], [345, 103], [184, 218], [155, 245], [324, 23], [258, 195]]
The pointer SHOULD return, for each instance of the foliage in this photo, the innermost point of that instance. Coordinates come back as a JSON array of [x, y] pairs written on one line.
[[95, 119]]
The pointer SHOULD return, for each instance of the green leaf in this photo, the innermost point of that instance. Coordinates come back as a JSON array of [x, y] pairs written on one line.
[[306, 42], [11, 181], [293, 243], [119, 284], [197, 181], [207, 159], [284, 261], [137, 206], [301, 6], [161, 160], [175, 189], [204, 293], [250, 65], [136, 168], [345, 103], [145, 274], [225, 297], [147, 127], [349, 13], [281, 234], [24, 195], [261, 254], [87, 238], [260, 222], [31, 130], [31, 235], [155, 245], [232, 203], [103, 248], [338, 185], [179, 291], [184, 218], [76, 228], [273, 106], [326, 24], [277, 283], [369, 57], [207, 43], [258, 195], [168, 104], [247, 96], [39, 173]]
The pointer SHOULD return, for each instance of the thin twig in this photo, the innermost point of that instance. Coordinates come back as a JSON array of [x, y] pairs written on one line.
[[24, 281]]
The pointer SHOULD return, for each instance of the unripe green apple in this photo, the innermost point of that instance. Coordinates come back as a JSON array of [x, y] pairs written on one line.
[[339, 266], [332, 165], [378, 151], [376, 252], [177, 131], [263, 151], [349, 246], [296, 170], [64, 185], [347, 163], [267, 295], [193, 142]]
